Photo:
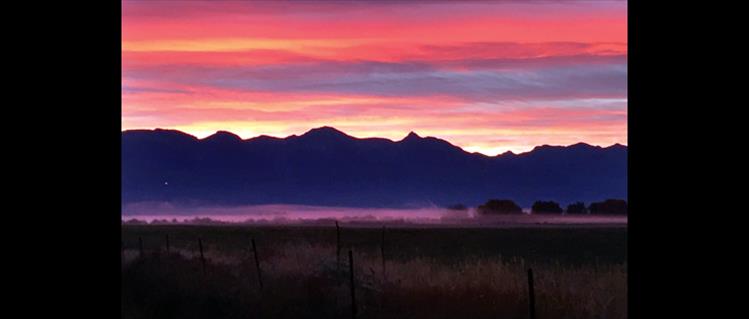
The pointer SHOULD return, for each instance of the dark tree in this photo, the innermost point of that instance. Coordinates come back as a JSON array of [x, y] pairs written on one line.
[[609, 207], [577, 208], [499, 206], [546, 207]]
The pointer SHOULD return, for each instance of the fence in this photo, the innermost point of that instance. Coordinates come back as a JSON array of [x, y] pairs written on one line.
[[352, 279]]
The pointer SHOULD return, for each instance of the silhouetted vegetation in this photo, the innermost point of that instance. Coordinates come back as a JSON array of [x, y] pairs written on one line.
[[431, 273], [577, 208], [546, 207], [609, 207], [499, 206]]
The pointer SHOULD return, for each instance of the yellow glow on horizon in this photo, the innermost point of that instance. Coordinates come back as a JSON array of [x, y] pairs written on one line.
[[467, 143]]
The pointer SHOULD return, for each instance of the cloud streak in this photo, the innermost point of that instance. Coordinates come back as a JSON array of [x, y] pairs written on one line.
[[488, 76]]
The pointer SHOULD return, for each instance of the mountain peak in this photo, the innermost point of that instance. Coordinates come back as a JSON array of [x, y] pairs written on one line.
[[576, 146], [544, 147], [223, 136], [167, 135], [324, 134], [411, 136], [507, 153], [617, 146], [324, 131], [582, 145]]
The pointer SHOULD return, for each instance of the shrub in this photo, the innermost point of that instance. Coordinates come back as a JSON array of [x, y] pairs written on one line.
[[609, 207], [577, 208], [499, 206], [546, 207]]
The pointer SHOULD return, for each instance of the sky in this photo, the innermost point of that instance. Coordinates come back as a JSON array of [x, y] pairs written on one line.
[[488, 76]]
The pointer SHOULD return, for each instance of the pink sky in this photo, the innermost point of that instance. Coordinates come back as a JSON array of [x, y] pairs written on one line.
[[489, 76]]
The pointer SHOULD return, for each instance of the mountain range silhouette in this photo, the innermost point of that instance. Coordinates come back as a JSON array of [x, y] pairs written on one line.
[[325, 166]]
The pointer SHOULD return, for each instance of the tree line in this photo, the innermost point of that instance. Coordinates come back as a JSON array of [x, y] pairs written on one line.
[[507, 206]]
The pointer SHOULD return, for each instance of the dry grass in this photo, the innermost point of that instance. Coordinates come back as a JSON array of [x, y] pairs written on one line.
[[301, 281]]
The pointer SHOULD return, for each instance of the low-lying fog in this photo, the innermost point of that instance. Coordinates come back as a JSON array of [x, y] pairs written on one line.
[[292, 214]]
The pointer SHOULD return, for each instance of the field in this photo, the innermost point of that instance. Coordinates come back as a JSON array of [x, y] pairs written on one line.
[[429, 272]]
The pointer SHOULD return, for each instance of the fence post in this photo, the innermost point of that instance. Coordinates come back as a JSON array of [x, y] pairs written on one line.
[[257, 264], [351, 283], [382, 252], [167, 244], [531, 296], [202, 257]]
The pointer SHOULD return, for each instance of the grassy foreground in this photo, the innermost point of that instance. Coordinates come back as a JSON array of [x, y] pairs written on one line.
[[429, 272]]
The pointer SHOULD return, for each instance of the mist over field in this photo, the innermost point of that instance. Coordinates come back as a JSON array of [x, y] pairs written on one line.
[[282, 214], [280, 211]]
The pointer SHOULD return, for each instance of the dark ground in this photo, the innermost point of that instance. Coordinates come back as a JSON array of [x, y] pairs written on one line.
[[562, 244], [431, 272]]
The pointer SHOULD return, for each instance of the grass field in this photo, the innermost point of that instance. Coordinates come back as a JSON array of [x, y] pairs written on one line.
[[460, 272]]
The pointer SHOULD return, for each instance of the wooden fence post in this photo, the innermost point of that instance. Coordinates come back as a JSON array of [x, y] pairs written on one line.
[[167, 244], [257, 264], [382, 252], [337, 248], [531, 296]]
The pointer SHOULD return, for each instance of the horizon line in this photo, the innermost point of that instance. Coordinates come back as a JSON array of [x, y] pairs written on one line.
[[364, 138]]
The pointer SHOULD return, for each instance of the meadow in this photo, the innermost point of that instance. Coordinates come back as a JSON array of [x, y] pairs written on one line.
[[429, 272]]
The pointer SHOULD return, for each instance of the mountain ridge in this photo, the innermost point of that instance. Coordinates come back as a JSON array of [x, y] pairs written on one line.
[[325, 166], [410, 136]]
